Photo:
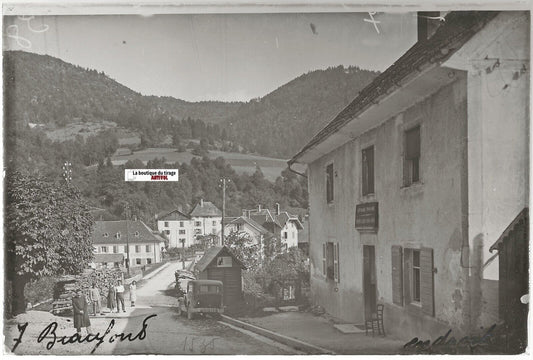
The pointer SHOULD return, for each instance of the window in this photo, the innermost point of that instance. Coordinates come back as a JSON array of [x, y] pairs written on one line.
[[197, 223], [181, 224], [166, 223], [148, 248], [103, 249], [138, 261], [411, 165], [197, 231], [213, 231], [117, 235], [285, 235], [115, 249], [412, 278], [106, 235], [330, 260], [137, 248], [182, 241], [368, 170], [167, 232], [136, 234], [329, 183], [182, 232], [148, 261], [214, 223]]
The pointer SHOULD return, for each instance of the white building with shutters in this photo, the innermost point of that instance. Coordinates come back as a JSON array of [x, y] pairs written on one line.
[[411, 184]]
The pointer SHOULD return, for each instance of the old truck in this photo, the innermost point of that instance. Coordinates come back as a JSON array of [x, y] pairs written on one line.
[[201, 297]]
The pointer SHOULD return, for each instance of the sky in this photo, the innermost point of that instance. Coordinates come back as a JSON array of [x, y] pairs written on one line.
[[226, 57]]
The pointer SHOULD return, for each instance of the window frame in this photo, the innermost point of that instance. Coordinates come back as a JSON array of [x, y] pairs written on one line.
[[330, 182], [148, 248], [410, 163], [368, 184]]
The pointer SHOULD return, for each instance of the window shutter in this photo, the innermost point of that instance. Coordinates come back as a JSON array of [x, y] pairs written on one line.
[[426, 281], [324, 259], [397, 275], [336, 262]]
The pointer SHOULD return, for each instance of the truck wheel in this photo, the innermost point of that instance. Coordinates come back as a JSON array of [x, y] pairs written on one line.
[[189, 314]]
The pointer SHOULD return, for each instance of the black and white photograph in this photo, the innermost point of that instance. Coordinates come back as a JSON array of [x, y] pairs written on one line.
[[254, 178]]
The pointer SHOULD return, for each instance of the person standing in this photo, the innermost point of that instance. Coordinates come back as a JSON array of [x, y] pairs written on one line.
[[111, 297], [133, 293], [120, 296], [94, 295], [81, 314]]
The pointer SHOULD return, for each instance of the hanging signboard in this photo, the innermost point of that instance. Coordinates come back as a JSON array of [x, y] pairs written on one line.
[[366, 216]]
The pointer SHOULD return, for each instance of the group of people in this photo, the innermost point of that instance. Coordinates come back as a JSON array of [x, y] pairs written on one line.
[[115, 298]]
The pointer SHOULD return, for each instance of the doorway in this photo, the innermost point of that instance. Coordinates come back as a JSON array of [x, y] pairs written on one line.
[[369, 280]]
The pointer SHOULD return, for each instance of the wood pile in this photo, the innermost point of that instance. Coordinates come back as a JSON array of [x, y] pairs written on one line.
[[66, 286]]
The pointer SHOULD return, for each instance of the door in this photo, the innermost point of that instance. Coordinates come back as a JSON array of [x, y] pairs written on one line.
[[369, 280]]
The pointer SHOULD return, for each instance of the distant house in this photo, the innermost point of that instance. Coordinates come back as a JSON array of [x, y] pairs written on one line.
[[112, 237], [177, 227], [281, 224], [242, 224], [183, 230], [206, 218]]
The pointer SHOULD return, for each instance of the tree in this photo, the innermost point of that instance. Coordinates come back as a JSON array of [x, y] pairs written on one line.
[[243, 247], [48, 230]]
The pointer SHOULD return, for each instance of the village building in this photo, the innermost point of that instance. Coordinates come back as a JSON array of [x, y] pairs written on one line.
[[177, 227], [113, 237], [245, 225], [415, 180], [184, 230], [281, 224]]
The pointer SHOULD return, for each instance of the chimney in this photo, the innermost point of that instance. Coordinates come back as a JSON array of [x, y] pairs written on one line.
[[427, 22], [201, 202], [134, 217], [243, 213], [180, 208], [277, 209], [259, 207]]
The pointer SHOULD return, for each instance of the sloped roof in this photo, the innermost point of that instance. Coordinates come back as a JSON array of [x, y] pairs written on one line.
[[212, 253], [205, 209], [523, 216], [284, 216], [137, 230], [173, 215], [458, 28], [100, 258], [244, 220]]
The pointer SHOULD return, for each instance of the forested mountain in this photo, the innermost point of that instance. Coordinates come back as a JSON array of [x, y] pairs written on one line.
[[282, 122], [47, 90]]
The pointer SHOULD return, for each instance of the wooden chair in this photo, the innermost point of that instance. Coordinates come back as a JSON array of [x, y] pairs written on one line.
[[376, 321]]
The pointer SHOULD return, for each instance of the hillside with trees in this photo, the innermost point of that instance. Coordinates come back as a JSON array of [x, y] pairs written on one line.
[[47, 90]]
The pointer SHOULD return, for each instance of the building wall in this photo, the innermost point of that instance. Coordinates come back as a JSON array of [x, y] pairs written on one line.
[[143, 255], [254, 235], [498, 146], [428, 214], [174, 228], [292, 234], [208, 225]]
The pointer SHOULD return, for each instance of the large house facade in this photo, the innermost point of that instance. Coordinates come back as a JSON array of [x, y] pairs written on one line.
[[411, 184], [111, 240], [182, 230]]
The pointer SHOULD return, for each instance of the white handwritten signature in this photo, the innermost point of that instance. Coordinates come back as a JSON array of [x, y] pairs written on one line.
[[12, 31]]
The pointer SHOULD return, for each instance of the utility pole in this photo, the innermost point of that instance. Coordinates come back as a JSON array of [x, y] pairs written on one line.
[[223, 208], [127, 214]]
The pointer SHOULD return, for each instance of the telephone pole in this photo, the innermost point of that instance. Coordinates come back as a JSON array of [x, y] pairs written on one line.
[[127, 214], [223, 208]]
